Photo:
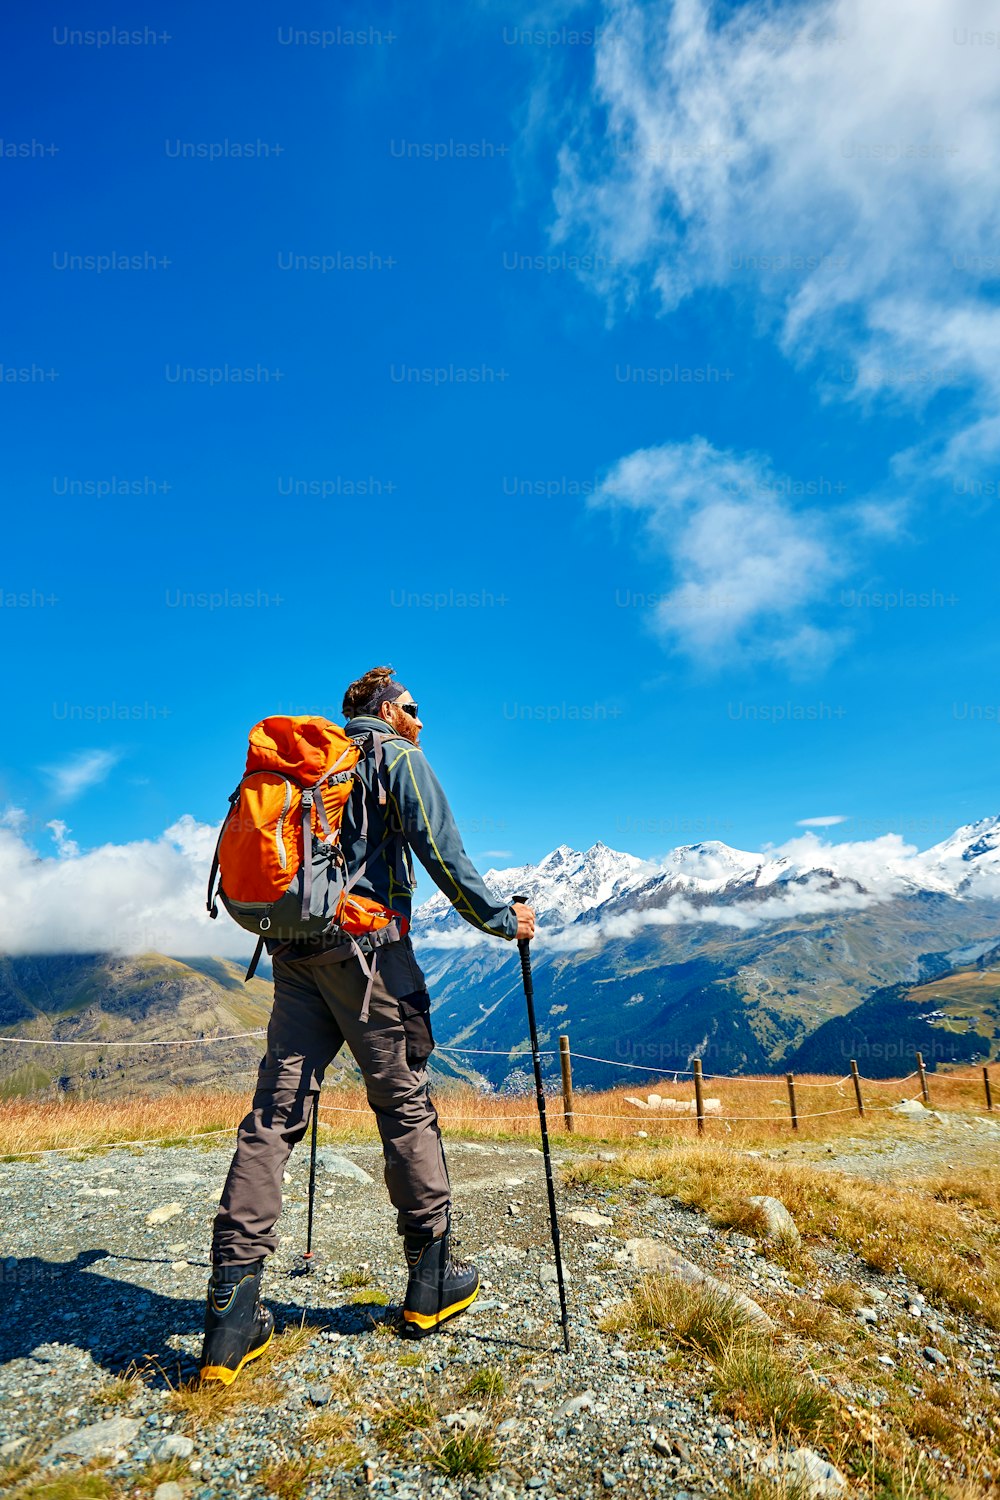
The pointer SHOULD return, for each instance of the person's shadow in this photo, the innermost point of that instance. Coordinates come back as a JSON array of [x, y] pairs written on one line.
[[124, 1326]]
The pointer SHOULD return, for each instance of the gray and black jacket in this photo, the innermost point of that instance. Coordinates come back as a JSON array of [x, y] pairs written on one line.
[[416, 809]]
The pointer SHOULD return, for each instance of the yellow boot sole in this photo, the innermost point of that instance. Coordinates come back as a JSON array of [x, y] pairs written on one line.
[[227, 1376], [418, 1325]]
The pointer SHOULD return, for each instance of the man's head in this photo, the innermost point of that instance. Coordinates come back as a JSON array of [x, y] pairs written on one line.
[[378, 693]]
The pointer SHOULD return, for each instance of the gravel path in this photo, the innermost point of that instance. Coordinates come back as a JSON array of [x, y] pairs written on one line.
[[928, 1143], [90, 1285]]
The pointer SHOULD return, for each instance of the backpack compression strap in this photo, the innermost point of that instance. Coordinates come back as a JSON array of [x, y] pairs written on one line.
[[212, 908]]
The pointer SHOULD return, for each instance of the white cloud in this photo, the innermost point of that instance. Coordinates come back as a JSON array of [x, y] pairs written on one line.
[[66, 847], [809, 898], [85, 769], [825, 822], [837, 157], [123, 898], [747, 567]]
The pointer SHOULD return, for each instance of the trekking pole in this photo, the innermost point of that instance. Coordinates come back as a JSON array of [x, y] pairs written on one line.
[[523, 948], [308, 1254]]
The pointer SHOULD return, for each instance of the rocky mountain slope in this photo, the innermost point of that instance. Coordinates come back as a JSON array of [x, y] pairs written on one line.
[[718, 953], [749, 961]]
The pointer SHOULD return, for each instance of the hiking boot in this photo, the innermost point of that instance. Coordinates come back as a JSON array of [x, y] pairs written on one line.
[[438, 1288], [237, 1327]]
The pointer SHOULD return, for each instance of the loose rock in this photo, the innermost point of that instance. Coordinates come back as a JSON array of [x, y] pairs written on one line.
[[164, 1212], [97, 1441]]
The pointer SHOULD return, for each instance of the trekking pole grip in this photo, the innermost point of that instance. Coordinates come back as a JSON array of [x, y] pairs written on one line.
[[523, 943]]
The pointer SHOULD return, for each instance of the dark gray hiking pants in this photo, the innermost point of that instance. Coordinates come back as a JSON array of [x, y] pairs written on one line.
[[317, 1007]]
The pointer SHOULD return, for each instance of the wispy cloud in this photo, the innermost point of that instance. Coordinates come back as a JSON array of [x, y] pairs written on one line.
[[66, 847], [748, 569], [86, 769], [837, 158], [825, 822]]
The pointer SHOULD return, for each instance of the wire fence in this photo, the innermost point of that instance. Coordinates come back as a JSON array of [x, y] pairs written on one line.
[[673, 1112]]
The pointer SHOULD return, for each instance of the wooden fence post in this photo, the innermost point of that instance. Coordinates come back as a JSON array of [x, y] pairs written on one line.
[[567, 1081], [923, 1078], [699, 1102], [790, 1077], [986, 1086], [855, 1075]]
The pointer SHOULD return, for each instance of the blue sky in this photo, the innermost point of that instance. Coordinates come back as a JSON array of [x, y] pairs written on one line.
[[645, 401]]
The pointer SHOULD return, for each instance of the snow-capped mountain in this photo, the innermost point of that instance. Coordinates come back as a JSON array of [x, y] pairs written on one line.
[[714, 866], [968, 862], [568, 885], [562, 886], [730, 955]]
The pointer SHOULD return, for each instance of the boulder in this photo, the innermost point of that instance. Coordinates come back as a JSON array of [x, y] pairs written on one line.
[[808, 1473], [328, 1160], [174, 1445], [778, 1222], [912, 1108]]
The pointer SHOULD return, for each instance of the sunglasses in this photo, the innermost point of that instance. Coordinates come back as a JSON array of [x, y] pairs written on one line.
[[411, 709]]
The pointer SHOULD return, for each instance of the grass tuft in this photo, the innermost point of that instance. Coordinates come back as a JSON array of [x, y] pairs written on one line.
[[401, 1418], [360, 1277], [344, 1454], [465, 1453], [120, 1390], [694, 1317], [487, 1383], [287, 1477], [810, 1320], [843, 1295], [91, 1483], [755, 1381]]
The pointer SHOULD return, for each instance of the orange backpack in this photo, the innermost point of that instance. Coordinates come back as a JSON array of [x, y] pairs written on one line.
[[281, 870]]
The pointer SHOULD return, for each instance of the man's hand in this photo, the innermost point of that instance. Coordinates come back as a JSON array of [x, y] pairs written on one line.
[[525, 920]]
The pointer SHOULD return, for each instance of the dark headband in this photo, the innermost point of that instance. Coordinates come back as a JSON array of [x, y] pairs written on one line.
[[388, 693]]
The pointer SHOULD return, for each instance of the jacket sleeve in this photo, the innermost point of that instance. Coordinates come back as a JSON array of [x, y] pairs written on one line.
[[429, 828]]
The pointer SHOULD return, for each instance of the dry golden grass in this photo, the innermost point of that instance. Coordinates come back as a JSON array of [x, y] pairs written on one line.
[[810, 1320], [398, 1419], [329, 1426], [118, 1391], [89, 1482], [28, 1126], [954, 1258], [693, 1317], [843, 1295], [757, 1382], [287, 1477]]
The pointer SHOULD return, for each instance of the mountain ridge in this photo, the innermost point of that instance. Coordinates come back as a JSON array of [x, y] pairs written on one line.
[[749, 961]]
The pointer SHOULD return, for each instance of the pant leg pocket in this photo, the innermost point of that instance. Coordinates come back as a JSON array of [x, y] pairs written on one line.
[[415, 1014], [398, 967]]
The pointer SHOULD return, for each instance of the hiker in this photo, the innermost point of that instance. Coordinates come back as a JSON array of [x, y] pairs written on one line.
[[370, 993]]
